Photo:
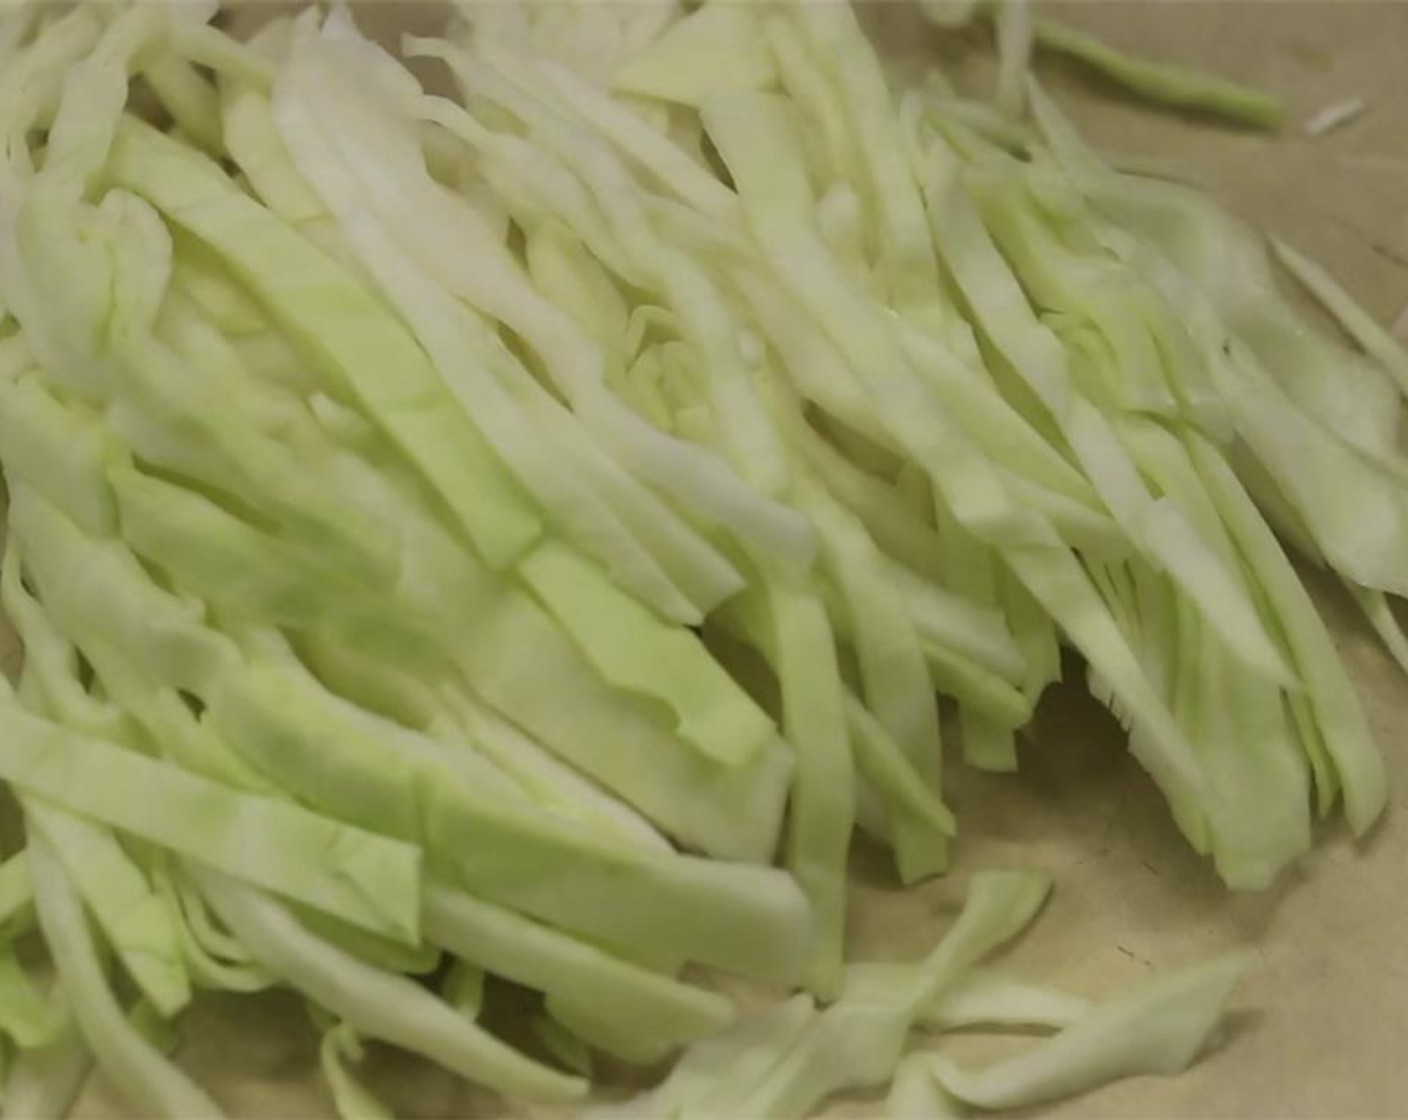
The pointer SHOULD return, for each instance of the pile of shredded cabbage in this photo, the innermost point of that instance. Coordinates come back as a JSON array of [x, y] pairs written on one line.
[[523, 536]]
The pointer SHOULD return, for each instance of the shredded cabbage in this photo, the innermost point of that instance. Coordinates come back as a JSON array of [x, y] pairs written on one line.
[[520, 528]]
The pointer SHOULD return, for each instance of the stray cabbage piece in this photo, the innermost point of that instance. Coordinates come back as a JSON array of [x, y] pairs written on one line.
[[1161, 83], [1160, 1028], [788, 1059]]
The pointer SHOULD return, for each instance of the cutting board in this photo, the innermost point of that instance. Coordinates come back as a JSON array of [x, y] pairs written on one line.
[[1321, 1027]]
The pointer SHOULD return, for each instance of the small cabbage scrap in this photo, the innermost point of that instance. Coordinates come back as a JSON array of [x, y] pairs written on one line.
[[1160, 1028]]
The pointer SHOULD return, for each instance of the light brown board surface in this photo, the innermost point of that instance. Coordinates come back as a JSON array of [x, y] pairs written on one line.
[[1323, 1025]]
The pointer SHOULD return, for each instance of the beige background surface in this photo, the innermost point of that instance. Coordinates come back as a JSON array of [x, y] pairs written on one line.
[[1322, 1026]]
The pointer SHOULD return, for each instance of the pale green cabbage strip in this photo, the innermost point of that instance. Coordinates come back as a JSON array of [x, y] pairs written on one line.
[[516, 539]]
